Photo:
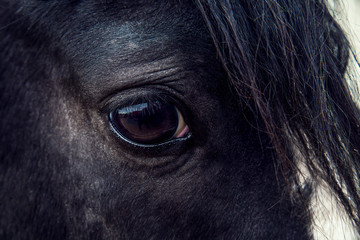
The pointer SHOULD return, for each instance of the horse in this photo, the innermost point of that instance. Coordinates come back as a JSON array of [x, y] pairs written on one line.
[[187, 119]]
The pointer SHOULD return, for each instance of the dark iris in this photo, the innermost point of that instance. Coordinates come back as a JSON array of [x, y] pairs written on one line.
[[146, 123]]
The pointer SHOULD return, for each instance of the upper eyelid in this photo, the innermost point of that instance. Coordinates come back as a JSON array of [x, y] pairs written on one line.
[[172, 86], [137, 96]]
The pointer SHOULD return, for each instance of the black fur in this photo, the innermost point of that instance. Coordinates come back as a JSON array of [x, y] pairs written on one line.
[[253, 80]]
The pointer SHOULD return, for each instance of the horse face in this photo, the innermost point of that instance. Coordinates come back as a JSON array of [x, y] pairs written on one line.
[[118, 122]]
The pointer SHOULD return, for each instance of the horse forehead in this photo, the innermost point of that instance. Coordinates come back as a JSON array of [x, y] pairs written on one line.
[[136, 22], [108, 46]]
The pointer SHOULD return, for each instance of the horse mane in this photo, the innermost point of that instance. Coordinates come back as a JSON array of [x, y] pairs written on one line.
[[287, 61]]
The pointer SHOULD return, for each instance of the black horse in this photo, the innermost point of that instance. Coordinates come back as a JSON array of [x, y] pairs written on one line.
[[178, 119]]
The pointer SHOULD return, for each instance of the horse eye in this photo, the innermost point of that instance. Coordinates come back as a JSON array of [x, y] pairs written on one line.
[[149, 123]]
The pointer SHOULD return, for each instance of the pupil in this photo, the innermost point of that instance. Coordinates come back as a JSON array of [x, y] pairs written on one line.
[[147, 123]]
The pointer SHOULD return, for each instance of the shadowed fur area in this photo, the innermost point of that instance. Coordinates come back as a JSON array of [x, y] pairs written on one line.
[[204, 119]]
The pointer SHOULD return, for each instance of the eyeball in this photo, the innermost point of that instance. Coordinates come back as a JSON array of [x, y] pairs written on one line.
[[149, 124]]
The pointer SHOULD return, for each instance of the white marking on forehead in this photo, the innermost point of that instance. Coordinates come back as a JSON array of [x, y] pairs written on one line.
[[132, 45], [134, 34]]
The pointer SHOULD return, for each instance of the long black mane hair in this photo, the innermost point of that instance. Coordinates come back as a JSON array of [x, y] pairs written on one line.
[[288, 59]]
